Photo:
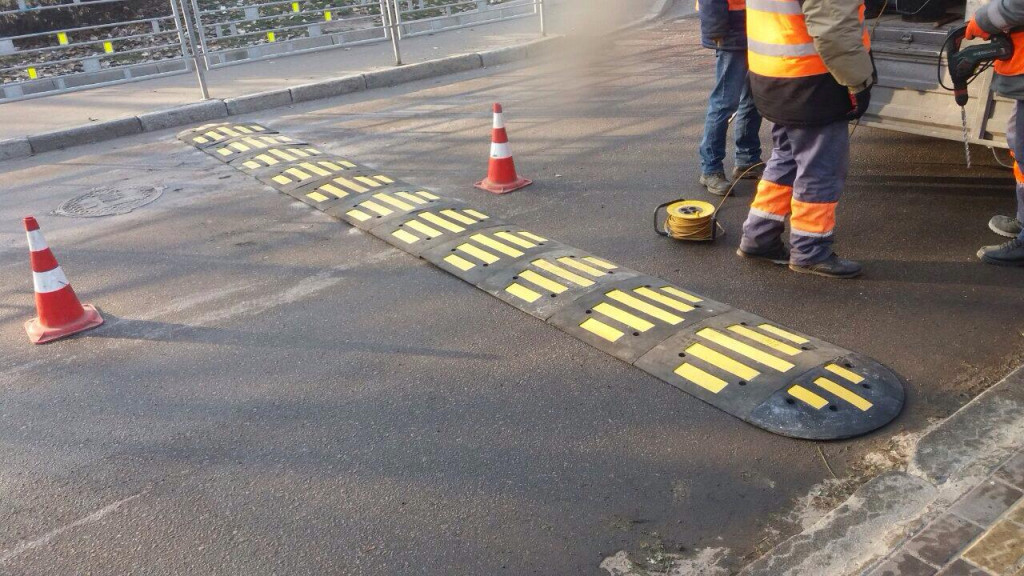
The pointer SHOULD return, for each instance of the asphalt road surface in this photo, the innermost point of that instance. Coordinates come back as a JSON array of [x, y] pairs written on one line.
[[275, 392]]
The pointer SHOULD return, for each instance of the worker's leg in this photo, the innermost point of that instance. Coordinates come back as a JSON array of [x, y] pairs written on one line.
[[1011, 253], [747, 128], [1010, 226], [762, 231], [822, 155], [730, 79]]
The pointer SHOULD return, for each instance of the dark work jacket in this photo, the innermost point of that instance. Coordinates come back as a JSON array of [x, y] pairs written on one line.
[[724, 19]]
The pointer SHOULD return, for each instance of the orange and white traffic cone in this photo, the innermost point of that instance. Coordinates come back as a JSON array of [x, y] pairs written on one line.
[[501, 172], [60, 312]]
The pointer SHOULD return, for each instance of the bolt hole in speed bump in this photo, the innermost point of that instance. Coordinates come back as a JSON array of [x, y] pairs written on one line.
[[762, 372]]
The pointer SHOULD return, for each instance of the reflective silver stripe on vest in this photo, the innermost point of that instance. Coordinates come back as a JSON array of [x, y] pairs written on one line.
[[766, 49], [775, 6]]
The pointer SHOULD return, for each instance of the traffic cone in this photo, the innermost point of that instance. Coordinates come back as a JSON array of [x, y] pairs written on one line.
[[60, 312], [501, 171]]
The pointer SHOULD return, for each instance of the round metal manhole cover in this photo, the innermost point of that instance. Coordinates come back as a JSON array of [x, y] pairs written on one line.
[[109, 201]]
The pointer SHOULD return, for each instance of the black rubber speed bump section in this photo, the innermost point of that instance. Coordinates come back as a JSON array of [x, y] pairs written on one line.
[[251, 154], [627, 319], [846, 397], [778, 379], [310, 172], [422, 230], [768, 375], [210, 134], [488, 251], [544, 284]]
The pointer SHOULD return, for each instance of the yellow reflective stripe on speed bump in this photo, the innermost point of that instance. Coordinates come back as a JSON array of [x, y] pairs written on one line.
[[620, 315], [523, 292], [843, 393], [459, 262], [762, 339], [573, 263], [808, 397], [843, 372], [562, 273], [662, 299], [783, 333], [596, 327], [549, 285], [477, 253], [500, 247], [515, 240], [701, 378], [745, 349], [722, 361], [644, 307]]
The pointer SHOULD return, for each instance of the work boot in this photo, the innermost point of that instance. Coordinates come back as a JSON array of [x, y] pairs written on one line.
[[777, 254], [1007, 254], [715, 183], [749, 172], [1005, 226], [833, 267]]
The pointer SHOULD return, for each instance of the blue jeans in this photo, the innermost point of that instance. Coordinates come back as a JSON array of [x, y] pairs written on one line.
[[1015, 140], [731, 95]]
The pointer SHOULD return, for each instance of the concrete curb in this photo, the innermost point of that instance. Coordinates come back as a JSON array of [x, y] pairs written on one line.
[[968, 444], [86, 134], [221, 108]]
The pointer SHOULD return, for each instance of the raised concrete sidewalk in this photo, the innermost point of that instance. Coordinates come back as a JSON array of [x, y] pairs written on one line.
[[43, 124], [958, 508]]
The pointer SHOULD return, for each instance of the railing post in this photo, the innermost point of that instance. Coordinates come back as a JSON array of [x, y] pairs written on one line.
[[188, 23], [540, 12], [392, 24]]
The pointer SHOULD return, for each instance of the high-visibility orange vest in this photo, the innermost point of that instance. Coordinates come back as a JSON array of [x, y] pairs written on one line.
[[1015, 65], [791, 84]]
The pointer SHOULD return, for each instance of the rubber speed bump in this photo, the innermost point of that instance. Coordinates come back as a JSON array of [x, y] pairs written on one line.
[[487, 251], [425, 229], [768, 375], [210, 134]]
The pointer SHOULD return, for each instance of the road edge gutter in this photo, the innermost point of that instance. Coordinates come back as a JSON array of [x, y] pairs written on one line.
[[214, 109], [881, 514]]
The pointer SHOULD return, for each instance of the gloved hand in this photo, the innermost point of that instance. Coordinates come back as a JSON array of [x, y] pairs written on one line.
[[859, 104], [974, 31]]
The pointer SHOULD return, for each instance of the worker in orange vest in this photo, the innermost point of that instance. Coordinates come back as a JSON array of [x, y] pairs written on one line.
[[811, 73], [993, 18], [723, 28]]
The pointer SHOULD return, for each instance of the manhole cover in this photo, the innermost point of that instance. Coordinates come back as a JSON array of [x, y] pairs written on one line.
[[109, 201]]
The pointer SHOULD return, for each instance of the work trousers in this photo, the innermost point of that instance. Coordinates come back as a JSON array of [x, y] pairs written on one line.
[[1015, 140], [730, 96], [803, 180]]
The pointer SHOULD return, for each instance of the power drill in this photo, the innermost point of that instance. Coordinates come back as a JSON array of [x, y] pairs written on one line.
[[963, 66], [964, 62]]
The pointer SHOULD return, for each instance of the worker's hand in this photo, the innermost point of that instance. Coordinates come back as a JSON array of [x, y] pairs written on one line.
[[859, 104], [974, 31]]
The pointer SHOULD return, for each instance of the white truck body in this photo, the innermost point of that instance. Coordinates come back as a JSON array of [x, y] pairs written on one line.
[[908, 97]]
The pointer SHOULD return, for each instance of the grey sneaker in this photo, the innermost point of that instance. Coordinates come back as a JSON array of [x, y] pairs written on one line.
[[1005, 226], [1007, 254], [716, 183], [833, 267], [749, 172], [777, 254]]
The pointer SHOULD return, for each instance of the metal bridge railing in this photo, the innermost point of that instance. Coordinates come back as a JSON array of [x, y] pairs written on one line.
[[73, 57], [75, 52]]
